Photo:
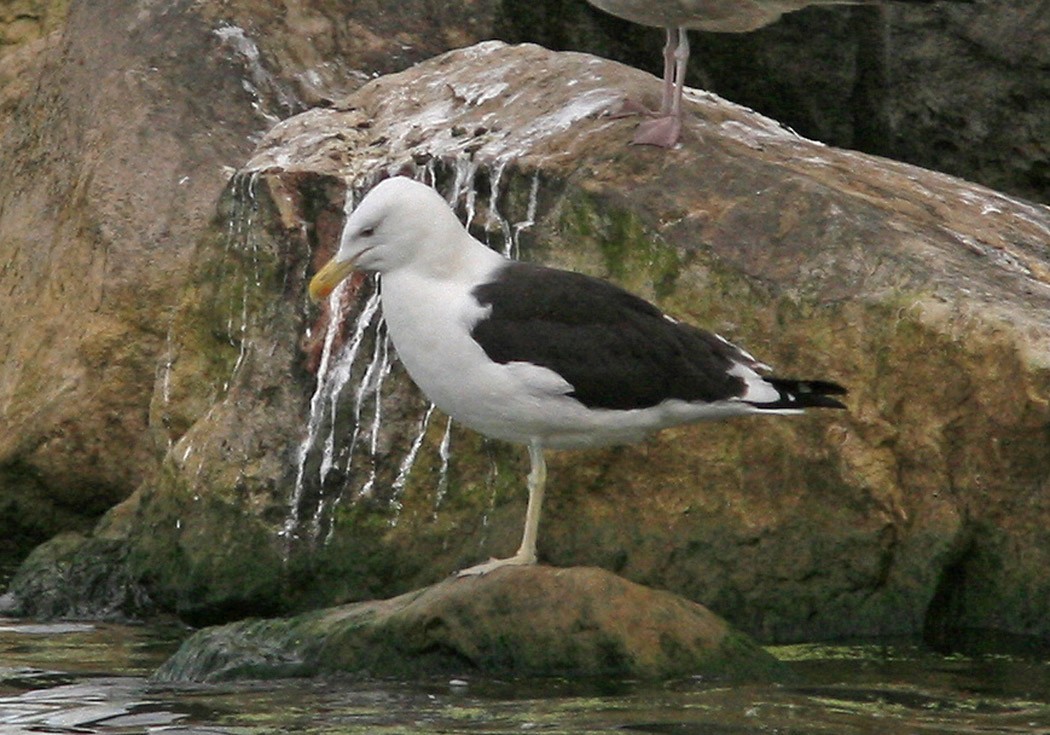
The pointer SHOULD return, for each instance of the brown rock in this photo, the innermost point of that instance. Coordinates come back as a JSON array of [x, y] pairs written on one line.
[[925, 294], [120, 125], [25, 21], [923, 508], [120, 130], [534, 621]]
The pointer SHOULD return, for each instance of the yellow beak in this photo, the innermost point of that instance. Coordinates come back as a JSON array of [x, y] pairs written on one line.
[[326, 279]]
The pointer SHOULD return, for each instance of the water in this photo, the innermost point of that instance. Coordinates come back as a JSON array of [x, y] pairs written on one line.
[[93, 678]]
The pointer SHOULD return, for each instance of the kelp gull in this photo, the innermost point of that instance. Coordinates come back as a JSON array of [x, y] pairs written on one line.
[[675, 17], [535, 355]]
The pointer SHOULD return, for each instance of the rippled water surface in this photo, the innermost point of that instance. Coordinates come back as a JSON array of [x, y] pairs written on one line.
[[87, 678]]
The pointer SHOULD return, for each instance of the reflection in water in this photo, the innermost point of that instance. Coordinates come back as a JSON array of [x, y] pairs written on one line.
[[77, 678]]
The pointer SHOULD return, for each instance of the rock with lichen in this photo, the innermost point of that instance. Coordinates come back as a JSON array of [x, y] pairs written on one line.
[[120, 124], [516, 621], [305, 468]]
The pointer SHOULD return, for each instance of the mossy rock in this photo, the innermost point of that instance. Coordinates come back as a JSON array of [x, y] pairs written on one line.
[[525, 621]]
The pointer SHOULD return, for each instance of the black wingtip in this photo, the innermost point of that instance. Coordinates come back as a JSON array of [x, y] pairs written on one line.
[[807, 393]]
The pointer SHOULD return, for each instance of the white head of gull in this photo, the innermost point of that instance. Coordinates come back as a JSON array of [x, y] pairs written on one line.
[[676, 17], [538, 356]]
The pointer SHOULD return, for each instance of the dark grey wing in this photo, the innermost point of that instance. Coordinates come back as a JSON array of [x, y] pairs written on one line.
[[617, 350]]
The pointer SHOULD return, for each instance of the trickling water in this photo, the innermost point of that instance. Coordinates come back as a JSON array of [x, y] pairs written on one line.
[[493, 497], [445, 454], [242, 238], [514, 249], [410, 459], [466, 169], [333, 375], [338, 377], [165, 368], [163, 376], [497, 220], [259, 83], [371, 385], [470, 201]]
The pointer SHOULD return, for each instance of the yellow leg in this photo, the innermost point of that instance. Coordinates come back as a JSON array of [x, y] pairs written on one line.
[[527, 551]]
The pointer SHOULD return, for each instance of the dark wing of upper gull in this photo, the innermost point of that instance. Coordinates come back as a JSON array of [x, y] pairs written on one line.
[[617, 350]]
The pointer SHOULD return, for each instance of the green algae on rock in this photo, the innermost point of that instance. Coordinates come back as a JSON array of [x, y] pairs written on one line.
[[524, 621], [926, 295]]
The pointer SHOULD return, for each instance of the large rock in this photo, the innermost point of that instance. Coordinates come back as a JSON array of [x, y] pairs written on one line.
[[306, 469], [98, 143], [119, 133], [121, 122], [535, 621]]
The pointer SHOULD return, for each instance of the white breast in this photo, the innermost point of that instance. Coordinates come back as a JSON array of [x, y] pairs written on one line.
[[429, 322]]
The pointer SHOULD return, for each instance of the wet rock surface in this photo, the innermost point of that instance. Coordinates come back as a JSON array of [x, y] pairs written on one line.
[[283, 460], [93, 95], [121, 125], [305, 468], [533, 621]]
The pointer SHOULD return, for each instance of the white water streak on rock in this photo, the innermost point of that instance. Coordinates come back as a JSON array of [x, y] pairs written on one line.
[[408, 462], [242, 239], [313, 422], [371, 385], [339, 377], [166, 367], [331, 383], [495, 219], [512, 249], [466, 168], [333, 374], [445, 454], [259, 80]]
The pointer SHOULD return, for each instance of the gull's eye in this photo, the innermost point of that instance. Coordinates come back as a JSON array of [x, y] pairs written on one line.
[[367, 232]]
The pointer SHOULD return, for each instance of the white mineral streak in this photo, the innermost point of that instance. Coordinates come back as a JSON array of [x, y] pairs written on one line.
[[445, 453], [325, 432], [408, 461], [243, 239], [258, 82]]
